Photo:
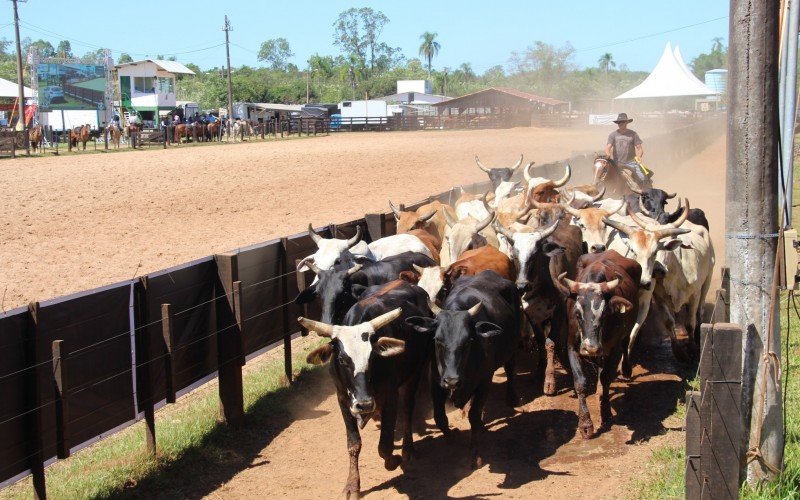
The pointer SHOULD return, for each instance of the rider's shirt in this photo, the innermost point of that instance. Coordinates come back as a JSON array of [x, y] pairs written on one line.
[[623, 145]]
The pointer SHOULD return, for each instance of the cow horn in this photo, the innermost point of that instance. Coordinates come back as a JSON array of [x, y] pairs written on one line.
[[428, 216], [525, 173], [644, 209], [609, 286], [545, 233], [639, 222], [600, 195], [559, 284], [463, 191], [353, 270], [355, 239], [322, 329], [621, 204], [632, 185], [485, 222], [480, 165], [449, 218], [474, 310], [419, 269], [672, 231], [395, 210], [671, 195], [569, 208], [385, 319], [433, 307], [314, 236], [505, 232], [619, 226], [570, 285], [683, 216], [311, 265], [563, 180], [519, 162]]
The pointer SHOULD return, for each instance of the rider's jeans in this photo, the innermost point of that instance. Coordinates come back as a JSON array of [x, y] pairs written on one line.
[[635, 169]]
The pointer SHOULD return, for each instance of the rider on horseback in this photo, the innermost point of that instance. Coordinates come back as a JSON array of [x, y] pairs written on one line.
[[625, 148]]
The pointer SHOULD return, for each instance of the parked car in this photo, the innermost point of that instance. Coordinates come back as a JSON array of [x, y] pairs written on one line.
[[54, 94]]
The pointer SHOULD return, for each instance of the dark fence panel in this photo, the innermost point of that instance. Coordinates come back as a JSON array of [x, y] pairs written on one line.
[[14, 389], [95, 329], [190, 291], [259, 270]]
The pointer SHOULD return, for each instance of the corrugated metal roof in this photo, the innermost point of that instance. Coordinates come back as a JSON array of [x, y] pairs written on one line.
[[269, 106], [169, 66], [508, 91]]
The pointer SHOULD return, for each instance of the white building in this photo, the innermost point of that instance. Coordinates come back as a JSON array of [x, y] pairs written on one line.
[[148, 86]]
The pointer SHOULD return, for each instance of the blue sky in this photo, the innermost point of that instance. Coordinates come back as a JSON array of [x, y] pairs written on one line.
[[483, 33]]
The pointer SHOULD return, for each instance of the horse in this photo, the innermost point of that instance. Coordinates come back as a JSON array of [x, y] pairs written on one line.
[[115, 133], [180, 131], [79, 134], [616, 180], [35, 137], [213, 129]]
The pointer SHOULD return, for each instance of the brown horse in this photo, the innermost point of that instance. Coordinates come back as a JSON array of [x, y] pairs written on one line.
[[616, 180], [115, 133], [80, 134], [213, 129], [180, 132], [35, 137]]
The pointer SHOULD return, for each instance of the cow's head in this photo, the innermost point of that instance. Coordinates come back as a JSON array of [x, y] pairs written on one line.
[[431, 280], [464, 232], [408, 220], [524, 248], [335, 289], [498, 175], [453, 334], [652, 201], [542, 189], [328, 250], [591, 304], [351, 352], [502, 192], [648, 239], [590, 221]]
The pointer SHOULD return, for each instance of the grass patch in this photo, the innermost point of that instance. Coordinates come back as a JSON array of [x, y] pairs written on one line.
[[191, 445]]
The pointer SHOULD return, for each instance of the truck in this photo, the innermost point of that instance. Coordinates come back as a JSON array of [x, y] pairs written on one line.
[[361, 114]]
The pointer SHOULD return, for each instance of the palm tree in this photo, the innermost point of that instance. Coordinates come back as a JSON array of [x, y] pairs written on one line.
[[429, 48], [606, 62]]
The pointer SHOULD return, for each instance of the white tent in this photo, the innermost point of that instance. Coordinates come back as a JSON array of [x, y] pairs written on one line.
[[10, 89], [670, 78]]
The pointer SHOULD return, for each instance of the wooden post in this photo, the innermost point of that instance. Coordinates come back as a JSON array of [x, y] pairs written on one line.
[[751, 201], [167, 332], [61, 392], [287, 336], [143, 358], [27, 140], [694, 435], [13, 145], [105, 137], [229, 340], [34, 419], [301, 285]]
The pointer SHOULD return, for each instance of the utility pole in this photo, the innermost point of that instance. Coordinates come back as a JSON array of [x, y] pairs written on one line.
[[20, 83], [227, 29], [752, 221]]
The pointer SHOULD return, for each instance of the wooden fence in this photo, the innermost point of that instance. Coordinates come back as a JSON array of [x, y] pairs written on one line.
[[713, 414]]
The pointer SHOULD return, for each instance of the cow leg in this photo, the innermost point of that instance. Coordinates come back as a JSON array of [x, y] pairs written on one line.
[[550, 369], [352, 489], [476, 422], [438, 399], [585, 425], [409, 392], [608, 372], [388, 422], [511, 394]]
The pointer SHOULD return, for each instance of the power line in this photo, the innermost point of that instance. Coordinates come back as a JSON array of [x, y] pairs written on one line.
[[651, 35]]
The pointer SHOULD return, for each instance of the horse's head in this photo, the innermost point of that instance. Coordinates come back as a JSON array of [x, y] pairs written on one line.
[[601, 166]]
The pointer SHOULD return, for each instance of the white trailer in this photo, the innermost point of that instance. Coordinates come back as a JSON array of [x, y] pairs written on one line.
[[371, 112]]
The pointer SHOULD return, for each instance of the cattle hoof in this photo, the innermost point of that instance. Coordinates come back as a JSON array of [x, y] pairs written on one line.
[[351, 495], [393, 462], [549, 386], [587, 429]]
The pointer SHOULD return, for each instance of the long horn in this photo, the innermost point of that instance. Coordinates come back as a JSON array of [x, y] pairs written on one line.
[[632, 185], [353, 270], [644, 209], [671, 195], [599, 195], [449, 218], [619, 226], [566, 177], [311, 265], [474, 310], [570, 285], [525, 173], [569, 208], [355, 239], [428, 216], [314, 236], [558, 283], [485, 222], [434, 308], [505, 232], [609, 286], [322, 329], [683, 216], [480, 165], [546, 232], [519, 162], [672, 231], [385, 319], [639, 222], [395, 210]]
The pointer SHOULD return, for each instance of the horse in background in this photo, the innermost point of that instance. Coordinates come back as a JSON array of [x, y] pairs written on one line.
[[115, 134], [80, 134], [35, 137]]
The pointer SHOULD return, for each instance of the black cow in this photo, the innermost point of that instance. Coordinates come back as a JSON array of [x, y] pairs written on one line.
[[375, 359], [499, 175], [601, 306], [341, 287], [652, 202], [475, 333]]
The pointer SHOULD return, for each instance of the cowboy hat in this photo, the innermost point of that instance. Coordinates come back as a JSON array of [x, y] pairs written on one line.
[[623, 118]]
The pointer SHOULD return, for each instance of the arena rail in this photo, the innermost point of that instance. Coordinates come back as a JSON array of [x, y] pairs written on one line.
[[76, 369]]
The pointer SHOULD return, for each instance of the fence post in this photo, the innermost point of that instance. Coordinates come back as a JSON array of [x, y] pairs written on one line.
[[105, 137], [34, 418], [694, 434], [301, 285], [61, 390], [167, 332], [144, 386], [13, 145], [229, 340], [27, 140], [287, 336]]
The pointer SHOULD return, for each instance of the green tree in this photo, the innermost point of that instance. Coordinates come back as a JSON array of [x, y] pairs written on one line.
[[124, 58], [64, 49], [356, 32], [45, 48], [276, 52], [716, 59], [606, 62], [429, 48]]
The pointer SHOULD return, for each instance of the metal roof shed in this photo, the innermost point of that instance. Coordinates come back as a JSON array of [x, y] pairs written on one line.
[[496, 100]]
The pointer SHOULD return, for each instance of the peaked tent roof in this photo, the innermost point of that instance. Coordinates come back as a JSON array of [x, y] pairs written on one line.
[[670, 78], [10, 89], [169, 66]]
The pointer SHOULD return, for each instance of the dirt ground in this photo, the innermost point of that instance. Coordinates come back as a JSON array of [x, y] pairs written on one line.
[[83, 221]]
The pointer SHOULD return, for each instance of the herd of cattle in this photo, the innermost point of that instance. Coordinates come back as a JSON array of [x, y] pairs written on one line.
[[459, 291]]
